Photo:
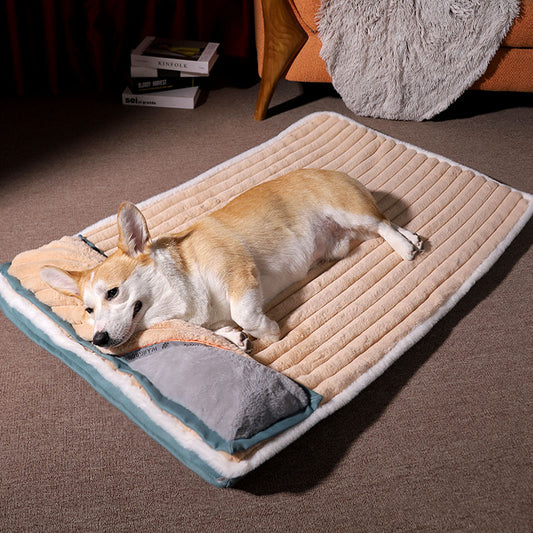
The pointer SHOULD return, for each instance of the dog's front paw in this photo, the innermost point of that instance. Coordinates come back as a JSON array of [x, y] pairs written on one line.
[[270, 331], [237, 337], [245, 344]]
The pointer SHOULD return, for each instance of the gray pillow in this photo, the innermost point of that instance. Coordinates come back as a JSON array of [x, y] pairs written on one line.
[[231, 401]]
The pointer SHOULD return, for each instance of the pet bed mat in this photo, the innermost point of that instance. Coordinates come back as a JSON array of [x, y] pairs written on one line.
[[342, 326]]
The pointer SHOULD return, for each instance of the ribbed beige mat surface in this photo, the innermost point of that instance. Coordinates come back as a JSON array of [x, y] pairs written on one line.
[[348, 321], [344, 318]]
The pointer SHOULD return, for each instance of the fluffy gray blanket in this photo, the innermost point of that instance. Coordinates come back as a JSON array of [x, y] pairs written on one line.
[[410, 59]]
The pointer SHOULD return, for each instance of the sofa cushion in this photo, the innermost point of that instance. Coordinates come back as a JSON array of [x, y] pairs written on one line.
[[521, 33]]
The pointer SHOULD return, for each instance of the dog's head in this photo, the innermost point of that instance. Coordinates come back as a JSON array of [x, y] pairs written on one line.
[[114, 292]]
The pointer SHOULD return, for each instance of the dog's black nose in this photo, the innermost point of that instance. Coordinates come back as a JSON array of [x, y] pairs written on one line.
[[101, 338]]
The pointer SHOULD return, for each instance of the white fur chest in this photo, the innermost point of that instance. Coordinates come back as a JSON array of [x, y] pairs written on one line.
[[170, 293]]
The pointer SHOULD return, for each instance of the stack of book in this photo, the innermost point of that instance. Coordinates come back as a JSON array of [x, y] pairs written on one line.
[[167, 72]]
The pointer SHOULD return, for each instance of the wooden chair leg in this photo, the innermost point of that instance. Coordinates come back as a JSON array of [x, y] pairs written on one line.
[[284, 37]]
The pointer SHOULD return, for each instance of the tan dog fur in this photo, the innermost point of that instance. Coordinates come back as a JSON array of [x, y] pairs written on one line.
[[219, 272]]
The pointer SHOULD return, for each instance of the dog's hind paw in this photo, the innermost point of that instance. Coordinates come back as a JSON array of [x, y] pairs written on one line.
[[414, 239]]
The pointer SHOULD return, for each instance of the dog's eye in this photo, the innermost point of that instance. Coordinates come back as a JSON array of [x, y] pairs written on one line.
[[89, 310], [111, 293]]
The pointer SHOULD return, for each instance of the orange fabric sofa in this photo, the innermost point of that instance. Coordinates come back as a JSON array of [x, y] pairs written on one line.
[[288, 45]]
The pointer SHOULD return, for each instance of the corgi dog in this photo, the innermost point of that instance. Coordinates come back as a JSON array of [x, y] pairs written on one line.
[[219, 272]]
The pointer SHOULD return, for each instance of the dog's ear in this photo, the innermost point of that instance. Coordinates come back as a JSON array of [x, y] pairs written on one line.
[[61, 280], [133, 232]]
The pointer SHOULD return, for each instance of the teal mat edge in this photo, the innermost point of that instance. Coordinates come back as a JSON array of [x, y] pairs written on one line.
[[111, 393], [212, 438]]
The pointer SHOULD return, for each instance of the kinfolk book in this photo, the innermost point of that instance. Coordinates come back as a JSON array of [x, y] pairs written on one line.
[[185, 98], [171, 54]]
